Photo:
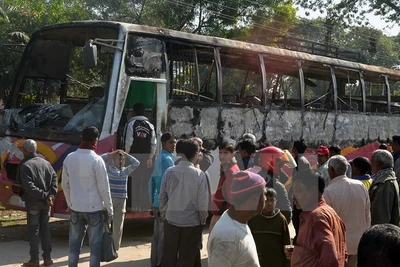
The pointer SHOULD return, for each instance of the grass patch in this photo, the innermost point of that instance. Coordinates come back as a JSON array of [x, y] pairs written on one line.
[[12, 217], [13, 223]]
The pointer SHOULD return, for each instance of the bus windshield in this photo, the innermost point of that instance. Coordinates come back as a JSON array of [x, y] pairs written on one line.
[[54, 94]]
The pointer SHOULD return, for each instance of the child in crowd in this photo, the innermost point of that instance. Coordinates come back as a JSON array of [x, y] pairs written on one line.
[[361, 168], [118, 179], [271, 160], [221, 198], [271, 233]]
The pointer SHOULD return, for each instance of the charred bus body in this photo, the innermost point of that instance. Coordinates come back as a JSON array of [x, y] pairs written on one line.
[[77, 74]]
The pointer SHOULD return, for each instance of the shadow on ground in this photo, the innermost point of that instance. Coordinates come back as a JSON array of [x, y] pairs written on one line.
[[140, 263]]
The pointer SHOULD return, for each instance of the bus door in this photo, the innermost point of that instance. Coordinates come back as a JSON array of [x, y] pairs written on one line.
[[152, 94]]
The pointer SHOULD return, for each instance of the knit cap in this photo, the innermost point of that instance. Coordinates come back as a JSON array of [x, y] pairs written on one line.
[[244, 184]]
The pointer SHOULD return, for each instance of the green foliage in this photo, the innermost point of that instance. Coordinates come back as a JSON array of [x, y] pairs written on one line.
[[271, 27], [315, 30], [218, 18], [353, 12], [30, 15], [3, 16], [261, 21], [19, 19], [374, 47]]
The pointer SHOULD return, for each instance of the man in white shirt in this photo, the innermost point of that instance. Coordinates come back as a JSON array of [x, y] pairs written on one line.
[[87, 192], [350, 199], [231, 242]]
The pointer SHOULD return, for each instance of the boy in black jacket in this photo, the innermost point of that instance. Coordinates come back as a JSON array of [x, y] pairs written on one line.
[[271, 233]]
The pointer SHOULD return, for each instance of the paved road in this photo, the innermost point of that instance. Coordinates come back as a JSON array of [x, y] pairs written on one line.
[[134, 251]]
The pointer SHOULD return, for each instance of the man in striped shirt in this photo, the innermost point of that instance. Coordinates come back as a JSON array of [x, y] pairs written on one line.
[[118, 179], [183, 199]]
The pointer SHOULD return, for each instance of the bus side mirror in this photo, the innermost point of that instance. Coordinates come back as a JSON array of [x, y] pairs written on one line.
[[89, 55]]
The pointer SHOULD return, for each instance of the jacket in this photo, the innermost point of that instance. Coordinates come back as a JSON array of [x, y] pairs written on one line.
[[271, 234], [38, 181], [384, 196]]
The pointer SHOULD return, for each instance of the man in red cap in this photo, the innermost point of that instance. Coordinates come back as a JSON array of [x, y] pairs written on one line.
[[322, 159], [231, 243]]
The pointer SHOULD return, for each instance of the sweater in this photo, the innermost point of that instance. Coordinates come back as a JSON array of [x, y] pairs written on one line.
[[271, 234], [118, 178]]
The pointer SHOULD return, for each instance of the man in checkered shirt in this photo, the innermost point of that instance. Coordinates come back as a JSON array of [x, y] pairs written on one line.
[[183, 198]]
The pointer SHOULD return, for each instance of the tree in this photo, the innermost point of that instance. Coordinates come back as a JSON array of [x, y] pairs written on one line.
[[376, 47], [11, 43], [369, 45], [34, 14], [216, 18], [19, 19], [354, 11]]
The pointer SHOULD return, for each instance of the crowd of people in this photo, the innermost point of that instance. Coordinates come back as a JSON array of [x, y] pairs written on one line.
[[345, 212]]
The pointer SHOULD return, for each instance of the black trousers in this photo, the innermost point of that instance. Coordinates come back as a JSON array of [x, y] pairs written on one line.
[[181, 246], [296, 221]]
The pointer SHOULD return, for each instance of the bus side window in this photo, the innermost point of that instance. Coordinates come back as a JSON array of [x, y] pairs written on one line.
[[349, 90], [318, 94], [244, 85], [192, 73], [395, 96], [241, 78], [283, 90], [376, 96]]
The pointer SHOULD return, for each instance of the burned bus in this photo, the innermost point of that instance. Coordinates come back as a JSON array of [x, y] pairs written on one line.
[[79, 74]]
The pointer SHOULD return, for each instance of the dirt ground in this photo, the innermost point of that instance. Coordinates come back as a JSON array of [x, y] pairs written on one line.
[[11, 225], [134, 252]]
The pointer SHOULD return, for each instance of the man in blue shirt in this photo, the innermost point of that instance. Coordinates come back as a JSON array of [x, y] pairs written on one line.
[[162, 163]]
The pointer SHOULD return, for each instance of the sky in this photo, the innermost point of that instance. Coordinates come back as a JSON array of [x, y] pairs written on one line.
[[375, 21], [378, 23]]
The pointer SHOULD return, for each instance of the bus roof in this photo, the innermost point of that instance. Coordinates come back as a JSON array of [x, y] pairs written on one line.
[[371, 70]]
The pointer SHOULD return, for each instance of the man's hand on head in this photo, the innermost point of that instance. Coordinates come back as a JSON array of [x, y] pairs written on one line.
[[149, 163]]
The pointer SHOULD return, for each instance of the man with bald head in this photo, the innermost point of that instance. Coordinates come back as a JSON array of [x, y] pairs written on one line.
[[38, 190]]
